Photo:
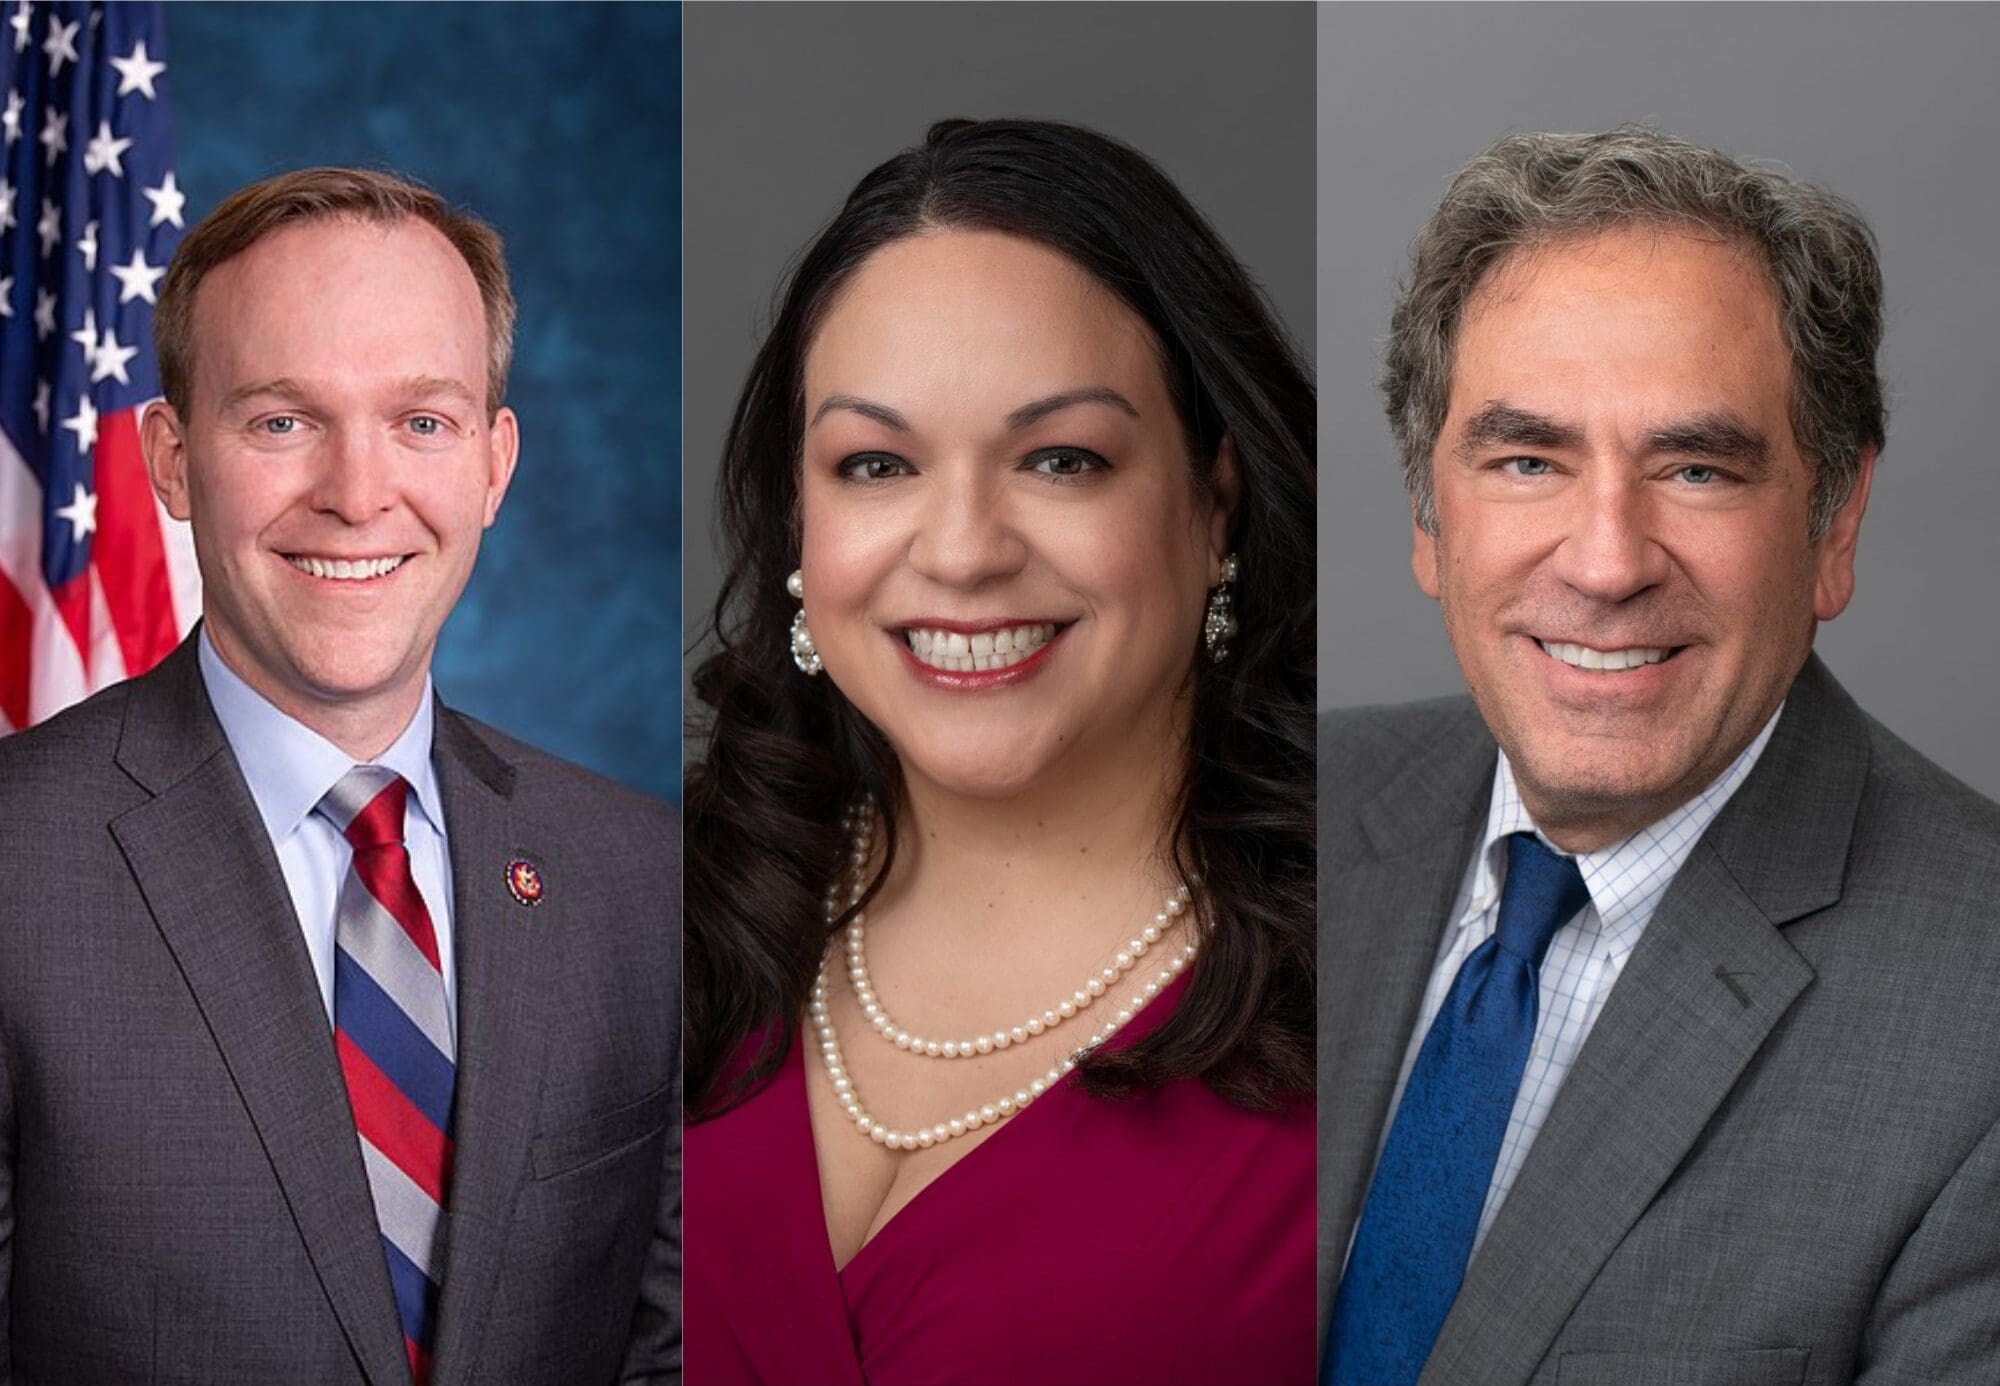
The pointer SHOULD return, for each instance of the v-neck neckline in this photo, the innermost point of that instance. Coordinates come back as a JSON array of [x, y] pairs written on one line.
[[1148, 1019]]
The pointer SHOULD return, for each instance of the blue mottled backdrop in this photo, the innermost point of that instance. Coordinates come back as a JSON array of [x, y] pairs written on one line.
[[560, 124]]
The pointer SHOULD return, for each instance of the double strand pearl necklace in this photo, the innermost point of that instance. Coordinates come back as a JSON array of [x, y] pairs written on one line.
[[862, 823]]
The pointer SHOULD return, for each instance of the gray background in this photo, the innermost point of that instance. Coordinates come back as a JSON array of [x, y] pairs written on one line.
[[788, 105], [1892, 106], [560, 125]]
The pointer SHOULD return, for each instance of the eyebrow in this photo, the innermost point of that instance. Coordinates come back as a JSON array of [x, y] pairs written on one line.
[[1716, 438], [867, 409], [1030, 413], [1506, 425], [1040, 409], [287, 388]]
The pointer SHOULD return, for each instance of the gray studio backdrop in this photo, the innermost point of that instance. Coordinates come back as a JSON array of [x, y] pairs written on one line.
[[1892, 106], [560, 125], [788, 105]]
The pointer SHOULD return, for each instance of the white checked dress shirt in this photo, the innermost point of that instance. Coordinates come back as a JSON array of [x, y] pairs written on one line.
[[1586, 957]]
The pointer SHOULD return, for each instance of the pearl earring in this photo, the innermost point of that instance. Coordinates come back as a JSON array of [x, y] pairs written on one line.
[[804, 653], [1221, 625]]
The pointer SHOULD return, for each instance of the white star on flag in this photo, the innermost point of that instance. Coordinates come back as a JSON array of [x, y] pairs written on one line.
[[42, 405], [60, 45], [86, 336], [55, 133], [136, 279], [7, 297], [110, 359], [19, 24], [83, 423], [8, 221], [81, 512], [136, 72], [167, 200], [45, 315], [12, 119], [49, 228], [86, 245], [104, 150]]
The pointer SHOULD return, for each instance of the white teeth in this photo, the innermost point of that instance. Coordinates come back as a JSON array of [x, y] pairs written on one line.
[[959, 653], [345, 569], [1603, 661]]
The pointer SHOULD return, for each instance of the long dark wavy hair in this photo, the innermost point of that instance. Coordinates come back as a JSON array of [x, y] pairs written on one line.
[[786, 754]]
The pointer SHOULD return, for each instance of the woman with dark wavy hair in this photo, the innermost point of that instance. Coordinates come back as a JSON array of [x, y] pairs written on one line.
[[999, 873]]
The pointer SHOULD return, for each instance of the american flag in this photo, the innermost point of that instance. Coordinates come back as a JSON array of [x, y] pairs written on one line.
[[96, 582]]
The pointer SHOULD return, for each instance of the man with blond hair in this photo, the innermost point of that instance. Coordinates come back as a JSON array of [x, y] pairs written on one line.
[[1657, 1026], [338, 1032]]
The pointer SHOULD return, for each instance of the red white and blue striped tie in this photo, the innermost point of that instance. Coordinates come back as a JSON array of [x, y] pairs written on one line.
[[394, 1038]]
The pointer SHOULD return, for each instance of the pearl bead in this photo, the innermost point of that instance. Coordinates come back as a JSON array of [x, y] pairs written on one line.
[[1038, 1024], [1122, 961], [1001, 1039], [933, 1048], [1005, 1106], [940, 1133], [1019, 1034], [949, 1049], [1022, 1098], [1176, 905], [1066, 1009], [1151, 933], [926, 1140], [984, 1044], [1039, 1086], [988, 1115], [1124, 1016], [902, 1039], [973, 1121], [1095, 986], [956, 1126], [878, 1135]]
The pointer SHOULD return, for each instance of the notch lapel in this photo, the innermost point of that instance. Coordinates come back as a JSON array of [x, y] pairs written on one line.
[[1710, 980], [200, 855], [1382, 911], [505, 962]]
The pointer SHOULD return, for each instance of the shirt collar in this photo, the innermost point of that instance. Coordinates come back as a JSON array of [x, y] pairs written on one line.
[[1627, 879], [290, 767]]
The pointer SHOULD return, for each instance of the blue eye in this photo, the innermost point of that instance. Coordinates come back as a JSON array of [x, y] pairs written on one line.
[[1065, 464], [1699, 476], [426, 425], [1527, 466], [873, 466], [279, 425]]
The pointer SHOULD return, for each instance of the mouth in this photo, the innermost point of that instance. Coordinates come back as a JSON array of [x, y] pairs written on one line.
[[346, 569], [1607, 661], [979, 652]]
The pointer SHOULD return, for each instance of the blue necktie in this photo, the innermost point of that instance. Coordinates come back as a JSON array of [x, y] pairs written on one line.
[[1423, 1208]]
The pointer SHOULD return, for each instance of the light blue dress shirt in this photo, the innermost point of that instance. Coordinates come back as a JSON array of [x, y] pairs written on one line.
[[289, 768]]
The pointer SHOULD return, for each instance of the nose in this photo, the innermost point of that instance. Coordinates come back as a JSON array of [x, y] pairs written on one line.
[[966, 531], [1609, 552], [355, 478]]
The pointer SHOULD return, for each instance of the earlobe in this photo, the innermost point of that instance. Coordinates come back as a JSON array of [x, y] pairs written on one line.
[[503, 441], [165, 449], [1226, 489], [1833, 559], [1423, 557]]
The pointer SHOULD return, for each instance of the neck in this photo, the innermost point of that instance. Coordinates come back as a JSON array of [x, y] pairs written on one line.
[[362, 727]]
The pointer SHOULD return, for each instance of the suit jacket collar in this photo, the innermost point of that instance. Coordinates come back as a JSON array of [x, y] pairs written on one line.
[[1710, 980], [202, 859]]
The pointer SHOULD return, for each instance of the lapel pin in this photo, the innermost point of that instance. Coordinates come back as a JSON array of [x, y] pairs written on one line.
[[524, 882]]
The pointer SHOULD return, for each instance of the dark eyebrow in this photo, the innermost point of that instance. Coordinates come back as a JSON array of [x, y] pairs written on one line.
[[1504, 425], [284, 387], [1716, 438], [1094, 394], [867, 409]]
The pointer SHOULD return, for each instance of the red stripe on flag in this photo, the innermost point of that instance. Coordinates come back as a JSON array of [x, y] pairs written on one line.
[[128, 553], [391, 1123], [17, 647], [420, 1361], [72, 601]]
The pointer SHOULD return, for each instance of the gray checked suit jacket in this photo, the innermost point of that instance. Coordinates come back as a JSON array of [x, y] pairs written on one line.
[[1776, 1161], [182, 1198]]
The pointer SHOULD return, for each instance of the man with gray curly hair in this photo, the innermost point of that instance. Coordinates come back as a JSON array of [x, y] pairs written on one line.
[[1655, 1042]]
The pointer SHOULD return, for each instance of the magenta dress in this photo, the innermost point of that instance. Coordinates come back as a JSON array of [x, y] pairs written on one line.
[[1162, 1241]]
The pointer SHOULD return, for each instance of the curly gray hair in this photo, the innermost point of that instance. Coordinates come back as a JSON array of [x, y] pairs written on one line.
[[1527, 191]]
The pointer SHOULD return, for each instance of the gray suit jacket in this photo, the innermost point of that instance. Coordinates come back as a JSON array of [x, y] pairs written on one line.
[[182, 1197], [1776, 1160]]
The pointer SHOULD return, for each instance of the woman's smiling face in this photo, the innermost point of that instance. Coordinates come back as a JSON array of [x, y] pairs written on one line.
[[1006, 557]]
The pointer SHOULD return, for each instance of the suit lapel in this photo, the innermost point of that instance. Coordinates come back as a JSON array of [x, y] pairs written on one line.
[[201, 858], [1382, 910], [1709, 981], [504, 981]]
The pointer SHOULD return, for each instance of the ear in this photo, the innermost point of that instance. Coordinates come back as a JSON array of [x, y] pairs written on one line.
[[503, 449], [1226, 492], [1833, 553], [1424, 556], [163, 442]]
